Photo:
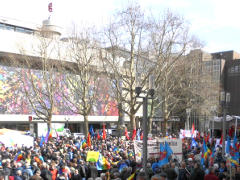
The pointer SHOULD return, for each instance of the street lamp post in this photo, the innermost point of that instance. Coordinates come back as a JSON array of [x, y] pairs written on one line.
[[120, 109], [225, 99], [148, 95], [188, 111]]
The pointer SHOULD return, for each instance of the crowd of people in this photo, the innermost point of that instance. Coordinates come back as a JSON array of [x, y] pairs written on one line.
[[66, 158]]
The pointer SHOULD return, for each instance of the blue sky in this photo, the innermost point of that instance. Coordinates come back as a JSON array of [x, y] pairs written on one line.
[[216, 22]]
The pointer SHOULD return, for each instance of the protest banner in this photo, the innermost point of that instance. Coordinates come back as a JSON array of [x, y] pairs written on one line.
[[154, 148], [92, 156], [187, 133]]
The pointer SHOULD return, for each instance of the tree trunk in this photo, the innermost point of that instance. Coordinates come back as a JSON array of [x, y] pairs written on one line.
[[120, 125], [86, 125], [165, 125], [49, 123], [132, 122]]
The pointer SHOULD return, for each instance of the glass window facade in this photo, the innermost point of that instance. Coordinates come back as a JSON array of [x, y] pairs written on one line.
[[15, 28]]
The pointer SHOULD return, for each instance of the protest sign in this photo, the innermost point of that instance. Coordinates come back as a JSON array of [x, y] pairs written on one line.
[[154, 148], [92, 156]]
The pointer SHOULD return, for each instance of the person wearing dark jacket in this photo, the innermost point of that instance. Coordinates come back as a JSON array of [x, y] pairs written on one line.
[[183, 172], [7, 169], [93, 172], [198, 173], [83, 171], [45, 173], [76, 175]]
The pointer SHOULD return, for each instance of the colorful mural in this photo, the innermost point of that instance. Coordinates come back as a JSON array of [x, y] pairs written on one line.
[[13, 99]]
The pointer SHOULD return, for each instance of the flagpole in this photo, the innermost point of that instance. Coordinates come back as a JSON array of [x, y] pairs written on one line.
[[145, 134], [235, 126]]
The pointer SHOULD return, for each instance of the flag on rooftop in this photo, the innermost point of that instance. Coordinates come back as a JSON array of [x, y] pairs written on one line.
[[50, 7]]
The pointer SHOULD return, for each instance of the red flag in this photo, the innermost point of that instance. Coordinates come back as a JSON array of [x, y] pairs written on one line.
[[50, 135], [134, 134], [50, 7], [193, 129], [126, 133], [89, 140], [104, 132], [141, 137], [208, 137], [221, 140], [198, 136], [98, 136]]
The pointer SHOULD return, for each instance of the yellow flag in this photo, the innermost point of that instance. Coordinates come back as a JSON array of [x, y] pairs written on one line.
[[131, 177]]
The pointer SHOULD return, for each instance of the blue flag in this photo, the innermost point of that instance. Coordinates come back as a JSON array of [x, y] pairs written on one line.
[[78, 145], [42, 141], [163, 156], [91, 131], [228, 145], [194, 143], [235, 153], [168, 149], [138, 135], [47, 135], [154, 167]]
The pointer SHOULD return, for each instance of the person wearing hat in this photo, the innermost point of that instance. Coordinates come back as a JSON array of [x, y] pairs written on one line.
[[190, 166]]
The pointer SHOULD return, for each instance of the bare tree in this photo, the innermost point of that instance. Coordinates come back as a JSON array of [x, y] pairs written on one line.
[[40, 79], [83, 77], [170, 42], [125, 58]]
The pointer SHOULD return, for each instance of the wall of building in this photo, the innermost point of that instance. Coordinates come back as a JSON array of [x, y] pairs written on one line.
[[232, 85], [14, 105]]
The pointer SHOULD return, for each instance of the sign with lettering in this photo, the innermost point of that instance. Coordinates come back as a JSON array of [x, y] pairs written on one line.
[[154, 148]]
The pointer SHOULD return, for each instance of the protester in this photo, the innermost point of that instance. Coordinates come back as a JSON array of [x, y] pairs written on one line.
[[67, 158]]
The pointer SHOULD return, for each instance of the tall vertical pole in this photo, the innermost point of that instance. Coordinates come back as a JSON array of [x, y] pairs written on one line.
[[145, 132], [120, 119], [236, 119], [224, 130]]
